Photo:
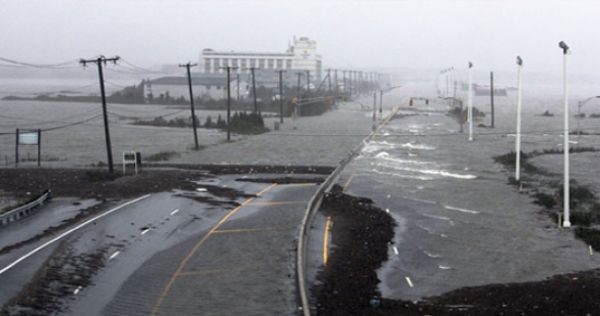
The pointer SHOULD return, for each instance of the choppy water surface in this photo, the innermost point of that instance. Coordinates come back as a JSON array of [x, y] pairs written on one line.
[[459, 222]]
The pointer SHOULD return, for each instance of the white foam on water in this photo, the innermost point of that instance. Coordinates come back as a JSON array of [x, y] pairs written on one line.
[[417, 146], [431, 255], [442, 218], [462, 210], [404, 176], [435, 172], [442, 267], [386, 156], [427, 229]]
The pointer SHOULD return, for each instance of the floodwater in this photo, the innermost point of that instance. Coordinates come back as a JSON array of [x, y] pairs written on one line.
[[459, 223]]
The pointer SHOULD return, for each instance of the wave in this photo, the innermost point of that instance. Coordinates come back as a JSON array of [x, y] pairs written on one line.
[[417, 146]]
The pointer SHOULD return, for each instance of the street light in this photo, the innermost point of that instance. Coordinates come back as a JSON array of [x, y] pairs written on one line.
[[566, 192], [470, 102], [518, 138], [580, 104]]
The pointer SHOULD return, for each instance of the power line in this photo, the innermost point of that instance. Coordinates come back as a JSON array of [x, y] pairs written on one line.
[[61, 65]]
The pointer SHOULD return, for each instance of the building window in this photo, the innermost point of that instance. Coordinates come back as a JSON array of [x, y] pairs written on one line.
[[244, 63], [279, 63], [216, 64], [261, 63], [253, 62], [271, 64], [234, 62], [288, 64], [225, 62]]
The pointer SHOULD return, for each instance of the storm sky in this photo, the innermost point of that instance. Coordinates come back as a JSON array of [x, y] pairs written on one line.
[[416, 34]]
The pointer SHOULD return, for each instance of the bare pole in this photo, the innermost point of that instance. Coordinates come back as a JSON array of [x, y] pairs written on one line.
[[281, 95], [492, 96], [189, 77], [308, 83], [237, 80], [470, 102], [228, 68], [252, 69], [335, 72], [329, 80], [98, 61]]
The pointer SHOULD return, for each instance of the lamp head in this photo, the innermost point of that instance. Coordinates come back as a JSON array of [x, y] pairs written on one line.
[[564, 47], [519, 61], [470, 65]]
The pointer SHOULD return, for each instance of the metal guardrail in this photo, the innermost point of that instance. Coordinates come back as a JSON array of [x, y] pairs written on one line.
[[312, 208], [23, 210]]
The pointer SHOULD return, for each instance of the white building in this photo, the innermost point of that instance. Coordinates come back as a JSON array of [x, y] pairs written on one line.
[[300, 56]]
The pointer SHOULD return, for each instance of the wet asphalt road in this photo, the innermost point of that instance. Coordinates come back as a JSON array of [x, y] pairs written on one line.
[[171, 255]]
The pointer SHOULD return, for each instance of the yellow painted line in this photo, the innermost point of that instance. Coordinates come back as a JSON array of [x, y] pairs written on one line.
[[187, 258], [347, 184], [250, 230], [279, 202], [213, 271], [328, 226], [300, 184]]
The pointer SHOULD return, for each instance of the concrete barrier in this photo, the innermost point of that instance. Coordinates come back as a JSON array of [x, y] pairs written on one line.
[[23, 210]]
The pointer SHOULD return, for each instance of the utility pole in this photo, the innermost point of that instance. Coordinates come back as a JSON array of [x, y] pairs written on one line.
[[189, 76], [374, 111], [344, 80], [329, 80], [299, 74], [252, 69], [335, 71], [99, 61], [228, 68], [280, 95], [492, 95], [380, 102], [238, 86], [308, 83]]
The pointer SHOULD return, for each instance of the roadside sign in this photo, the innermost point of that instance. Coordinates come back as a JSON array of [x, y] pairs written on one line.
[[130, 158], [28, 137]]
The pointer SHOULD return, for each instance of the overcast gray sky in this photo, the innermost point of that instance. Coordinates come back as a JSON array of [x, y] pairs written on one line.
[[431, 34]]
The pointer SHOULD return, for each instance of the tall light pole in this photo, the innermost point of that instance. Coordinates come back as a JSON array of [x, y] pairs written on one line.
[[566, 192], [518, 138], [470, 102]]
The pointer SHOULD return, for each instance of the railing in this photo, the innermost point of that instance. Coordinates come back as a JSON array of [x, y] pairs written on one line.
[[311, 210], [24, 210]]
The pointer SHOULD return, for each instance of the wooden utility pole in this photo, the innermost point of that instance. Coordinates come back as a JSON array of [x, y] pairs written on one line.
[[238, 87], [194, 126], [99, 61], [337, 87], [308, 83], [329, 80], [228, 68], [298, 85], [252, 69], [281, 95], [492, 95]]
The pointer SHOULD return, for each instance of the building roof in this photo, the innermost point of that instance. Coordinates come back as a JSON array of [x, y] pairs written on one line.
[[210, 52]]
